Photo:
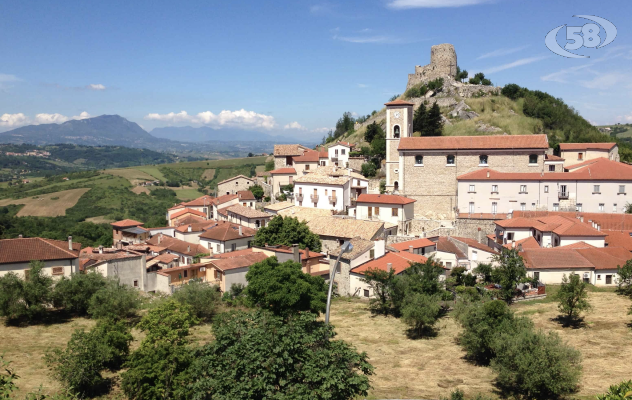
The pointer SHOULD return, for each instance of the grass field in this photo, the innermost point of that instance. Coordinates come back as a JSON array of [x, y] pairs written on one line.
[[187, 194], [47, 205], [133, 175], [152, 170], [432, 368], [140, 189], [209, 174], [230, 162]]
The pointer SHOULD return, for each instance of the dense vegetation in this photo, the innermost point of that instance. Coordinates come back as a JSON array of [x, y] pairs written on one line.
[[287, 231]]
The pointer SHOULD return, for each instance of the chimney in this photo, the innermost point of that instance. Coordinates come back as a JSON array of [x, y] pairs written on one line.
[[69, 242], [240, 231], [520, 248], [410, 249], [309, 266], [479, 235], [100, 249], [20, 236], [189, 229], [295, 253], [488, 174], [389, 267], [159, 237], [188, 249]]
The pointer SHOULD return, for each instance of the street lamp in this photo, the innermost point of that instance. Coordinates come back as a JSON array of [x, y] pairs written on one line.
[[345, 248]]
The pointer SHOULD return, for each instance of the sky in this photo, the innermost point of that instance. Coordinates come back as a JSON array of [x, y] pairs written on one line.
[[288, 67]]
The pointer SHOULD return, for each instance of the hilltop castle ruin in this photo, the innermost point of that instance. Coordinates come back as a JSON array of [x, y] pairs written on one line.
[[442, 65]]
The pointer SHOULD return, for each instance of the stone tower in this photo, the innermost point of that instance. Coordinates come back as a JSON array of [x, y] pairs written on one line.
[[399, 124], [443, 64]]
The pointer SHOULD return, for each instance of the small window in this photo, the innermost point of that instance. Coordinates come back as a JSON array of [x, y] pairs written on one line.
[[249, 243], [598, 277], [450, 159], [306, 167], [580, 156], [474, 255], [236, 183], [551, 168], [233, 247], [523, 206], [396, 132], [342, 152], [614, 207], [622, 189], [472, 188], [533, 206], [448, 265], [58, 270], [523, 188], [394, 211], [546, 188], [136, 282], [494, 208], [366, 292], [578, 207], [186, 273], [536, 276], [533, 158], [482, 160], [419, 160], [556, 206], [372, 254], [601, 207], [472, 208], [596, 189], [494, 188], [376, 210]]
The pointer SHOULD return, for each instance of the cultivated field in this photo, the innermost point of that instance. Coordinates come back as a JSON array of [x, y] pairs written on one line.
[[152, 170], [432, 368], [47, 205], [209, 174], [134, 175]]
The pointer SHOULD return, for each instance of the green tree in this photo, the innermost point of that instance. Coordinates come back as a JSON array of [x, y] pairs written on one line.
[[368, 170], [622, 391], [269, 165], [372, 131], [257, 191], [259, 355], [74, 293], [378, 150], [625, 277], [287, 231], [433, 123], [536, 365], [201, 297], [512, 91], [381, 283], [26, 298], [419, 119], [284, 288], [572, 297], [420, 311], [510, 271], [485, 271], [460, 74], [382, 186], [114, 301]]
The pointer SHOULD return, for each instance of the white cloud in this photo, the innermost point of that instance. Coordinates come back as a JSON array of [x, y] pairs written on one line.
[[13, 120], [369, 39], [517, 63], [95, 86], [404, 4], [294, 125], [8, 78], [501, 52], [362, 85], [605, 81], [238, 119], [626, 118], [322, 130]]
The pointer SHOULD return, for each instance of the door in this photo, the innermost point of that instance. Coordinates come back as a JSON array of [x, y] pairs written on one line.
[[370, 212], [608, 279]]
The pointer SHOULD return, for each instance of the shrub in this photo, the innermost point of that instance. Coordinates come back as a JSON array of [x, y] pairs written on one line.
[[381, 283], [257, 191], [169, 322], [572, 297], [26, 298], [622, 391], [485, 271], [368, 170], [74, 293], [536, 365], [625, 277], [236, 295], [114, 301], [287, 231], [200, 296], [382, 186], [258, 355], [420, 311], [509, 272]]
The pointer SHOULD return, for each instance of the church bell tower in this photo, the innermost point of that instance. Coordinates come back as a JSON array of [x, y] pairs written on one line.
[[399, 124]]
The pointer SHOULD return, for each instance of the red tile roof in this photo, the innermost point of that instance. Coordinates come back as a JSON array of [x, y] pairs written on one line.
[[586, 146], [187, 211], [126, 223], [224, 231], [384, 199], [245, 195], [552, 157], [283, 171], [399, 103], [526, 243], [619, 239], [569, 258], [474, 142], [308, 156], [242, 261], [200, 201], [447, 246], [417, 244], [474, 243], [29, 249], [560, 225], [196, 226], [576, 245], [606, 221], [231, 254], [177, 245], [400, 262], [224, 199]]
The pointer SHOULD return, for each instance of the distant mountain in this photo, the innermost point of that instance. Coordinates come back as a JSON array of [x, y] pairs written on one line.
[[206, 134]]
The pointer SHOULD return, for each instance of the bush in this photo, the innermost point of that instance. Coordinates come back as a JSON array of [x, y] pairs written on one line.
[[572, 297], [622, 391], [26, 298], [74, 293], [284, 288], [200, 296], [257, 191], [169, 322], [420, 311], [509, 272], [258, 355], [287, 231], [485, 271], [236, 295], [114, 301], [368, 170], [536, 365], [625, 277]]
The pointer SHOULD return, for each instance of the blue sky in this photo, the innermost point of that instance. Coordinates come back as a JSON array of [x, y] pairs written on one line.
[[287, 67]]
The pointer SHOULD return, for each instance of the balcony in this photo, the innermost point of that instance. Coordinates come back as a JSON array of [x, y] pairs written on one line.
[[562, 195], [299, 197], [333, 199], [334, 159], [314, 198]]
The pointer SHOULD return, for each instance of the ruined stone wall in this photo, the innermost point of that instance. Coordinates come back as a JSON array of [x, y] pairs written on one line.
[[392, 239], [374, 186], [443, 63], [356, 163], [469, 228]]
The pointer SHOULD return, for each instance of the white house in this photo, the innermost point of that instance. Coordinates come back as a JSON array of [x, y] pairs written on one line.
[[329, 188], [60, 258], [248, 217], [225, 237], [339, 154], [392, 209]]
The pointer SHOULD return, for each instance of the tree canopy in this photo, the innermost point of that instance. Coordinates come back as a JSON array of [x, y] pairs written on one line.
[[287, 231]]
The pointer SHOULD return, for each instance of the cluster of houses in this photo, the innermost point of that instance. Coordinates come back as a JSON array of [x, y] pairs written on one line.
[[29, 153], [563, 214]]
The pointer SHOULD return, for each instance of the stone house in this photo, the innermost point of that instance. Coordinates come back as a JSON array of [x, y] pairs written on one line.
[[574, 153], [246, 216], [363, 251], [128, 232], [281, 177], [333, 231], [284, 154], [60, 258], [392, 209], [553, 163], [128, 266], [227, 271], [235, 184], [225, 237], [477, 253]]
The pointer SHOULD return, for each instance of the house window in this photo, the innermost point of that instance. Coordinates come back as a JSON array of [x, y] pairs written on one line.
[[472, 189], [396, 131], [366, 292], [341, 242], [551, 168], [523, 188], [601, 207], [482, 160], [580, 156], [394, 211], [372, 254], [494, 208], [249, 243], [419, 160], [395, 186], [450, 159], [233, 247], [257, 223], [523, 206], [533, 158], [136, 282], [608, 279], [472, 210], [494, 188], [342, 152], [186, 273], [536, 276], [376, 210], [546, 188], [578, 207], [533, 206], [598, 277], [236, 183], [306, 167], [614, 207], [622, 189], [218, 248], [596, 189], [448, 264], [58, 270]]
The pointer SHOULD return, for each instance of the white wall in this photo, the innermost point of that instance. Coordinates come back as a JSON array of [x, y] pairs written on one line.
[[597, 242], [69, 267], [225, 247], [189, 237], [343, 159], [342, 195]]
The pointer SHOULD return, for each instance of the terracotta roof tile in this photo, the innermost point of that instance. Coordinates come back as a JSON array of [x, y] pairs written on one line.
[[196, 226], [360, 246], [474, 142], [553, 157], [247, 212], [245, 195], [308, 156], [526, 243], [224, 199], [235, 177], [126, 223], [240, 261], [384, 199], [199, 202], [288, 149], [400, 262], [29, 249], [177, 245], [619, 239], [474, 243], [305, 214], [447, 246], [224, 231], [279, 206], [399, 103], [345, 227], [187, 211], [587, 146], [231, 254], [283, 171], [417, 244]]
